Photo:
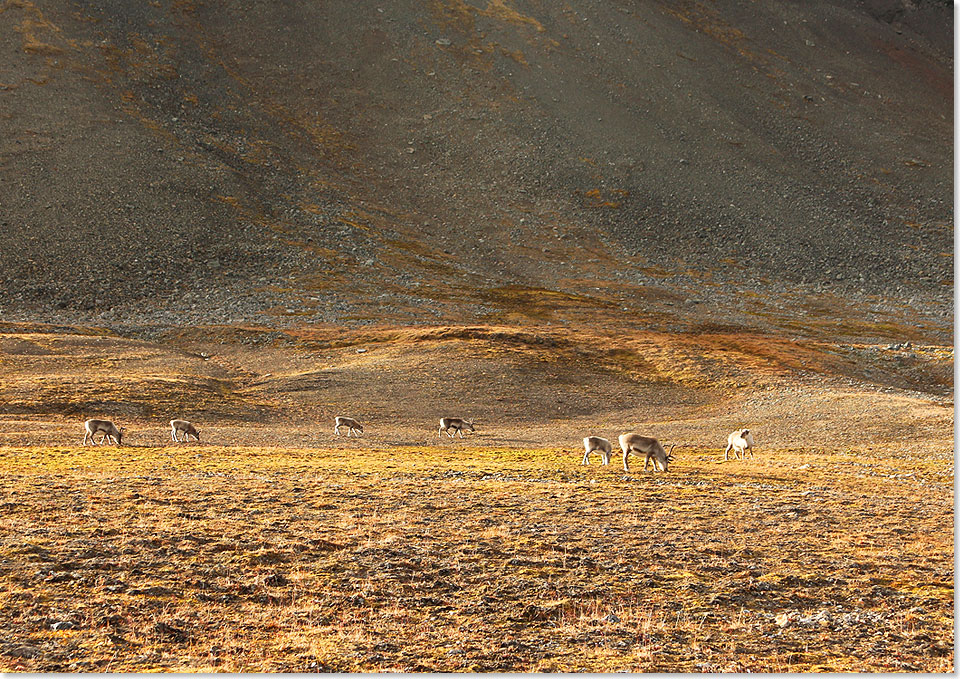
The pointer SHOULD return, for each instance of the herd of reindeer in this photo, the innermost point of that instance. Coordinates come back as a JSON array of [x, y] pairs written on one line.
[[739, 441]]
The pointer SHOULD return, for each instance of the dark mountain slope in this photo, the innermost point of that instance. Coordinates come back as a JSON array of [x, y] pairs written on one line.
[[412, 159]]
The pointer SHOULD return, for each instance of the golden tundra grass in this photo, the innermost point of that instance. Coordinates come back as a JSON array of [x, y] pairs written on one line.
[[455, 558]]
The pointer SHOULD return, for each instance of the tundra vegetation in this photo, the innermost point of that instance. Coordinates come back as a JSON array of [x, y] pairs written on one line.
[[275, 545], [599, 207]]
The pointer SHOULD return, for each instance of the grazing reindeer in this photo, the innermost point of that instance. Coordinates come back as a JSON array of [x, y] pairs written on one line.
[[649, 447], [185, 427], [351, 424], [106, 427], [740, 441], [456, 424], [592, 443]]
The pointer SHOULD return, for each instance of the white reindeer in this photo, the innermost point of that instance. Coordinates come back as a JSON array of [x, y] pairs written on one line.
[[187, 428], [351, 424], [456, 424], [106, 427], [740, 441], [601, 445], [649, 447]]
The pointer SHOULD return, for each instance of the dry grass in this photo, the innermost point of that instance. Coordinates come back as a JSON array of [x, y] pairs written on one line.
[[439, 559], [297, 551]]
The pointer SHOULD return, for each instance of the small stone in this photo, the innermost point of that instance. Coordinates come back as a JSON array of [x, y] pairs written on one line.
[[24, 652], [167, 631], [612, 618], [276, 580], [156, 591]]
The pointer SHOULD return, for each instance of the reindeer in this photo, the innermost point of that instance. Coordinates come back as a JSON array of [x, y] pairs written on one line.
[[183, 426], [740, 441], [351, 424], [592, 443], [651, 449], [456, 424], [106, 427]]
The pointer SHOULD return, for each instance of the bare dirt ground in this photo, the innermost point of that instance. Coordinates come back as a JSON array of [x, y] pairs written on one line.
[[275, 546]]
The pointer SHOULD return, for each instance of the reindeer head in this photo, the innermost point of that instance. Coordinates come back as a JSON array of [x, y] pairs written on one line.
[[669, 457]]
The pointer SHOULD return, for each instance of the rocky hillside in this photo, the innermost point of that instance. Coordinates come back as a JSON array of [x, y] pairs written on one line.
[[179, 161]]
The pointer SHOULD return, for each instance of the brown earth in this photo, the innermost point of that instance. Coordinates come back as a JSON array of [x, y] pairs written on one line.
[[181, 162]]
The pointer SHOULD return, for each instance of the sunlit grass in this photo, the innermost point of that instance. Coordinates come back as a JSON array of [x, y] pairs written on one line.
[[450, 558]]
